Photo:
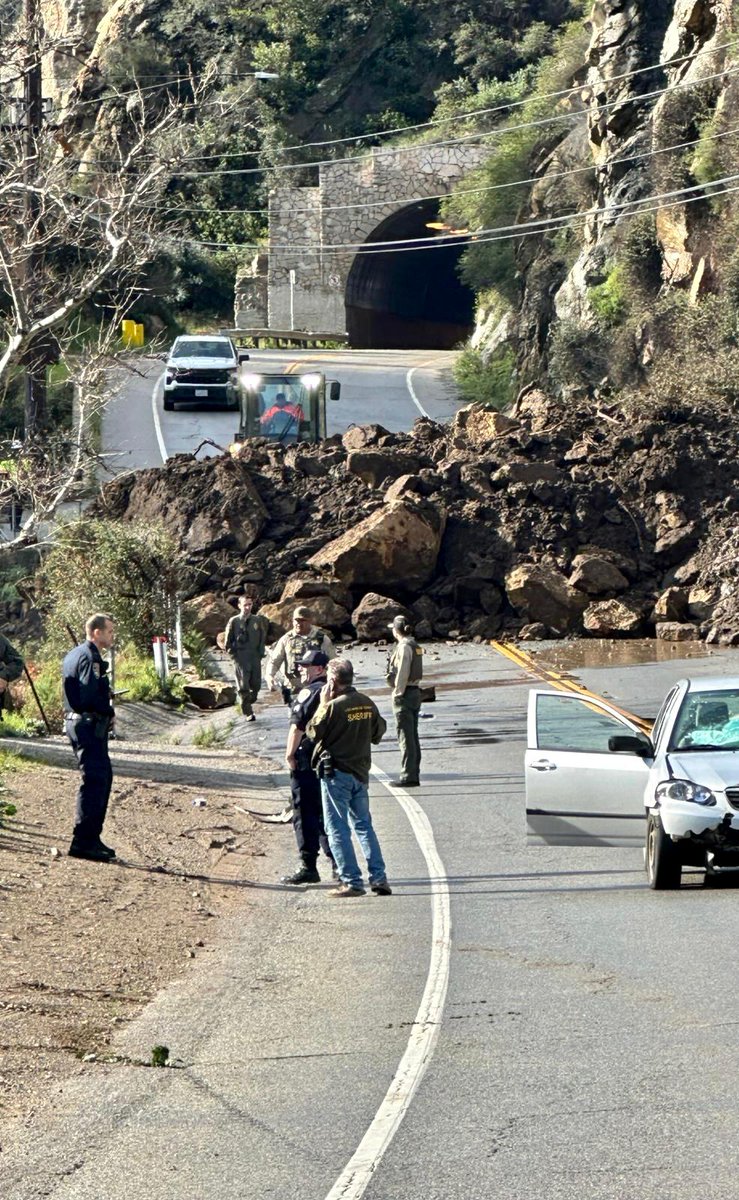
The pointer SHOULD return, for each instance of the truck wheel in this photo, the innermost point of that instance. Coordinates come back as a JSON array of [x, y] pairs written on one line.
[[664, 867]]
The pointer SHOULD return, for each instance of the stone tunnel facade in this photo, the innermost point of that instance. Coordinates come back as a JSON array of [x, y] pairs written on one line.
[[301, 282]]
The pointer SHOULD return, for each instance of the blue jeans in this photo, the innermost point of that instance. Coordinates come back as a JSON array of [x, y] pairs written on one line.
[[346, 799]]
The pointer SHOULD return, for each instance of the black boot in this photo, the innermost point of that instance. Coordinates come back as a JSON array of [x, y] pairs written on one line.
[[304, 874]]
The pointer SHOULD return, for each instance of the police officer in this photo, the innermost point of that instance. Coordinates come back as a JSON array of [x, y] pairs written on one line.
[[88, 717], [287, 652], [245, 640], [404, 674], [11, 668], [304, 783]]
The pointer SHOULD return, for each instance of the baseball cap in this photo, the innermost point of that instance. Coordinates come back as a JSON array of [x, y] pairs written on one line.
[[402, 624], [303, 611], [313, 658]]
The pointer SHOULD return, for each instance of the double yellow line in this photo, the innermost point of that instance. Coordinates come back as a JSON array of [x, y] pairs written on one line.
[[562, 682]]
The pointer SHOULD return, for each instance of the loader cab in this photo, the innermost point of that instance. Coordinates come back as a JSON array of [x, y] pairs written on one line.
[[285, 408]]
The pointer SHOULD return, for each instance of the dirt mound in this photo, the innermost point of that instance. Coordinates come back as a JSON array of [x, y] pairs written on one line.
[[540, 520]]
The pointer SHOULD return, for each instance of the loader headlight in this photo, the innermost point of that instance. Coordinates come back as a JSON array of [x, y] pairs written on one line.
[[310, 381], [252, 383], [684, 789]]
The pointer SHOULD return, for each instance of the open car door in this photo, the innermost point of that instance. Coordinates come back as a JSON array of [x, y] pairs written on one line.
[[578, 791]]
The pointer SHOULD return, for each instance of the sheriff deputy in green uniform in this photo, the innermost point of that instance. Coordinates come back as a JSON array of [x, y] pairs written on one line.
[[288, 651], [404, 674], [11, 668], [245, 641]]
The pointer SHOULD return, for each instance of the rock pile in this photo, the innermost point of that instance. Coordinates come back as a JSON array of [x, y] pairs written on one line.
[[565, 520]]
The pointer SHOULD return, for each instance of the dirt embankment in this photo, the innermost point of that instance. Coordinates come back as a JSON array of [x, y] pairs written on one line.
[[84, 946], [567, 519]]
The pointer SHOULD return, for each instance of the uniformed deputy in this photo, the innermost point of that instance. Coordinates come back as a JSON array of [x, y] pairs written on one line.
[[305, 785], [11, 668], [88, 717], [404, 674], [245, 641], [287, 652]]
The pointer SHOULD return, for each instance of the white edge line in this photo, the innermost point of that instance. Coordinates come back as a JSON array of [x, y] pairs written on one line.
[[157, 422], [414, 397], [358, 1172]]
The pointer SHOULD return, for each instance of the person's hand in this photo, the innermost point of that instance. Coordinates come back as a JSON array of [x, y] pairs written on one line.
[[3, 685], [291, 761]]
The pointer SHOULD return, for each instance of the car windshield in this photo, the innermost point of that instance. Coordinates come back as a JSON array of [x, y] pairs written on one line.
[[202, 349], [708, 721]]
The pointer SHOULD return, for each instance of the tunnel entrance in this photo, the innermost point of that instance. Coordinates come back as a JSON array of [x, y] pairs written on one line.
[[414, 298]]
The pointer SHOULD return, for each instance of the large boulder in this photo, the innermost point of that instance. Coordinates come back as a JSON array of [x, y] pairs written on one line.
[[373, 467], [374, 613], [395, 546], [359, 436], [528, 473], [542, 594], [303, 589], [671, 605], [611, 618], [210, 693], [702, 601], [326, 613], [482, 425], [209, 614], [596, 576], [676, 631]]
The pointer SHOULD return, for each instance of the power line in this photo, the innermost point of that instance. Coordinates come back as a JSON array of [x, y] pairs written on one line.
[[399, 129], [420, 146], [542, 225], [493, 187]]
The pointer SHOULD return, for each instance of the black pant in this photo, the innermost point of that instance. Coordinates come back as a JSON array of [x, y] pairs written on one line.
[[96, 780], [308, 816]]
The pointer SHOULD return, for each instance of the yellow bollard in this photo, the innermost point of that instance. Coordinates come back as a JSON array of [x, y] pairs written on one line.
[[139, 340], [128, 333]]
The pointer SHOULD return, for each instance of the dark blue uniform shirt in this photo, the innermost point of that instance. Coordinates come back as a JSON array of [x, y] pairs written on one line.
[[301, 711], [85, 681]]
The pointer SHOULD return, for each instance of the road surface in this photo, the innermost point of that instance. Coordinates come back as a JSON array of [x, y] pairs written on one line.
[[391, 387], [512, 1023]]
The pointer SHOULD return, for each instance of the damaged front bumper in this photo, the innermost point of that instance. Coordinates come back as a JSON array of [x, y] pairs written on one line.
[[713, 827]]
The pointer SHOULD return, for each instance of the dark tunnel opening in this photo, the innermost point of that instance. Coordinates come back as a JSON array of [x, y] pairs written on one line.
[[398, 300]]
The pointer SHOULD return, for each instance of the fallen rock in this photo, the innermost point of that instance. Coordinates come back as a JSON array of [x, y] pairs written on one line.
[[209, 614], [676, 631], [543, 595], [482, 425], [374, 613], [676, 544], [359, 436], [611, 618], [327, 614], [529, 473], [210, 693], [535, 632], [702, 601], [375, 466], [399, 543], [404, 485], [596, 576], [671, 605]]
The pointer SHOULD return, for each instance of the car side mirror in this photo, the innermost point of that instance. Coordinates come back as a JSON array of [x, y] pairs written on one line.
[[243, 356], [630, 743], [334, 390]]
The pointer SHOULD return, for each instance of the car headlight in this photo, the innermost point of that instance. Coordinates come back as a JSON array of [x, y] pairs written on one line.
[[171, 374], [233, 377], [684, 789]]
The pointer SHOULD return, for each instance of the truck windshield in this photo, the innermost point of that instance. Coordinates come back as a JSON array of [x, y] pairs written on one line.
[[202, 349]]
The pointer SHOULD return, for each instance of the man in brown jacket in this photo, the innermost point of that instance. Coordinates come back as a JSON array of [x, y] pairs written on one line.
[[345, 727]]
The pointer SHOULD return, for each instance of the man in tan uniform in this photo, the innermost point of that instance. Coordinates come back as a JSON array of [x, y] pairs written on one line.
[[404, 674], [288, 651]]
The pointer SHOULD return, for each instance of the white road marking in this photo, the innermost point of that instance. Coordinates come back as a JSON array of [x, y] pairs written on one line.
[[358, 1172], [414, 397], [157, 422]]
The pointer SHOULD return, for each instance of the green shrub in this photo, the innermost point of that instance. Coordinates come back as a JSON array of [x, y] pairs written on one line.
[[578, 356], [609, 299], [212, 737], [129, 570], [492, 383]]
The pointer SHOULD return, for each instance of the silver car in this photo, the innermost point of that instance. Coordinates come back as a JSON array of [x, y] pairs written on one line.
[[592, 772], [203, 370]]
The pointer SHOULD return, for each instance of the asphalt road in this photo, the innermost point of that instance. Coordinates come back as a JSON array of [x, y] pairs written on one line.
[[583, 1046], [391, 387]]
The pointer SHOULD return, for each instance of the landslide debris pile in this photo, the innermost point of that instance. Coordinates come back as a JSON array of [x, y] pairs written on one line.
[[562, 520]]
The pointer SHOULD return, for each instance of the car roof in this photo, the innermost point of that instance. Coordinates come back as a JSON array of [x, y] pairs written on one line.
[[716, 683], [202, 337]]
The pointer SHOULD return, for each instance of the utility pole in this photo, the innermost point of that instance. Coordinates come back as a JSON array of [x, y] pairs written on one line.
[[33, 106]]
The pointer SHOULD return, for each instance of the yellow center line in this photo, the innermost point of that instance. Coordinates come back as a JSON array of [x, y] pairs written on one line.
[[562, 682]]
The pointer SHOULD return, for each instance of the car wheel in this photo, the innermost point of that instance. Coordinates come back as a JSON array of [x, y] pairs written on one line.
[[168, 405], [664, 867]]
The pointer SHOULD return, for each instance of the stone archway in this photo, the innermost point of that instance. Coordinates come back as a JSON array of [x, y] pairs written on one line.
[[322, 274]]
